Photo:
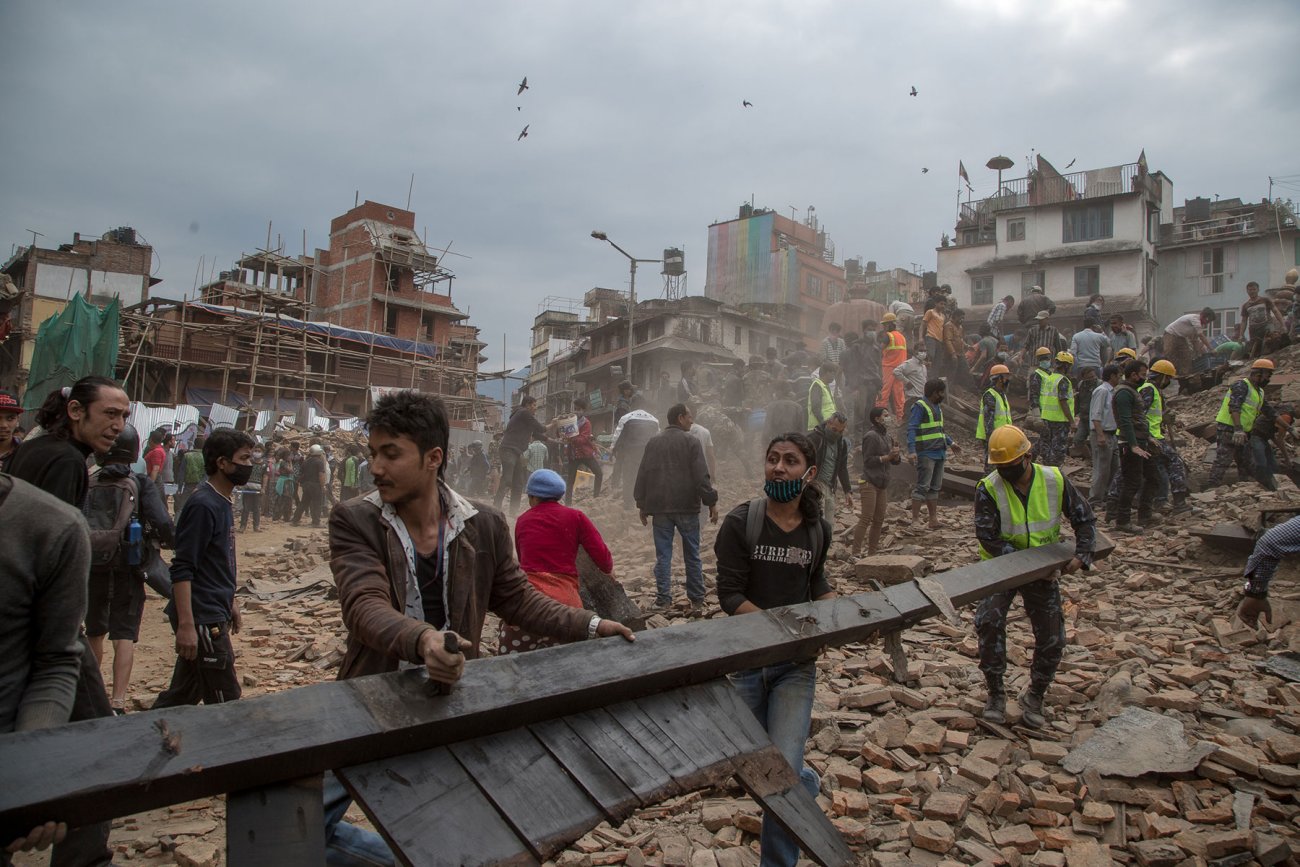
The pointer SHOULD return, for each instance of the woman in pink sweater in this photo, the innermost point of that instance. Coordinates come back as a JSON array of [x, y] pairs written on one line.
[[547, 538]]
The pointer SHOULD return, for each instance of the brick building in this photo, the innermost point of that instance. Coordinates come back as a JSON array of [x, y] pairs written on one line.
[[115, 265]]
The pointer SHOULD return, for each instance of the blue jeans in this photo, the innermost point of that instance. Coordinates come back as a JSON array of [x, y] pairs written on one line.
[[781, 698], [929, 477], [1265, 462], [346, 845], [688, 526]]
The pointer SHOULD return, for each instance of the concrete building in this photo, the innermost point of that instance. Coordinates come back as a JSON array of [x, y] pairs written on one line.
[[668, 332], [557, 345], [1211, 250], [893, 284], [776, 264], [1073, 234], [115, 265]]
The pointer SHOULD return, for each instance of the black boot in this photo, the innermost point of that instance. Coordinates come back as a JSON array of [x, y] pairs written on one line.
[[995, 708], [1031, 706]]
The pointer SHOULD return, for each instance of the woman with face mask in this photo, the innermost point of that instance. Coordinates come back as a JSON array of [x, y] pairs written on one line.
[[771, 552]]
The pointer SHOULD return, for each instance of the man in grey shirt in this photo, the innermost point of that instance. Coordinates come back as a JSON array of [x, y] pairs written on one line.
[[1090, 348], [1105, 450]]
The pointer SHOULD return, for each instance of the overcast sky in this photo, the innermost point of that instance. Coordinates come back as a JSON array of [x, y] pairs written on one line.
[[198, 123]]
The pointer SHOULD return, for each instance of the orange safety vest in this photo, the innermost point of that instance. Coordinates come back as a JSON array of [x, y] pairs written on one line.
[[896, 352]]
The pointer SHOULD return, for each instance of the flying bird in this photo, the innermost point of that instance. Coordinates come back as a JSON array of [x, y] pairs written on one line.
[[913, 93], [924, 170], [744, 103], [1072, 162], [523, 85], [523, 135]]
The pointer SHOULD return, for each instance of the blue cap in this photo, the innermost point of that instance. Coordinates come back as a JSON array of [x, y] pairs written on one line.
[[546, 485]]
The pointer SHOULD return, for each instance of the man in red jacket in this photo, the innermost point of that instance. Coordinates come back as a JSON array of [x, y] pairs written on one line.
[[582, 453]]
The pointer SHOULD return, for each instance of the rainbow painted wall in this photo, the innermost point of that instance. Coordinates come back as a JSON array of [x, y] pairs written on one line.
[[744, 266]]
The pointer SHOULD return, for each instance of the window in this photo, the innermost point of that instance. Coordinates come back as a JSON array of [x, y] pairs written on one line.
[[1225, 323], [981, 289], [970, 236], [814, 286], [1088, 223], [737, 339], [426, 325], [1087, 280], [1030, 279], [1016, 229], [1212, 271]]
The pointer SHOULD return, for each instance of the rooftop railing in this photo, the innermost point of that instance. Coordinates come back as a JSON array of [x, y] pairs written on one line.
[[1036, 190]]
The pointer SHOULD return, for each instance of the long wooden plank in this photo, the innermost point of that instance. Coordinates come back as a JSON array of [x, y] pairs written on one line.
[[282, 825], [588, 769], [436, 815], [92, 771], [527, 785], [639, 770]]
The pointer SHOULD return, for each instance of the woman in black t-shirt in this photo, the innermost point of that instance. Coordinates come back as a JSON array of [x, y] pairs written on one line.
[[784, 565]]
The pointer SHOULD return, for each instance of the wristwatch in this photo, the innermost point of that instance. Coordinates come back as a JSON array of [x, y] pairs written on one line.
[[593, 626]]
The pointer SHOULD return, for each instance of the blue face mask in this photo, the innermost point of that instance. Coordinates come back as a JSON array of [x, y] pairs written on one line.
[[783, 490], [1046, 364]]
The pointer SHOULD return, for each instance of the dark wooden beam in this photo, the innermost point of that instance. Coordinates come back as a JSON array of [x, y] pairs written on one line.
[[91, 771]]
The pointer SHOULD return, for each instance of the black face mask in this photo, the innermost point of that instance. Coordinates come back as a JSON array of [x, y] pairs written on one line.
[[241, 474], [1013, 473]]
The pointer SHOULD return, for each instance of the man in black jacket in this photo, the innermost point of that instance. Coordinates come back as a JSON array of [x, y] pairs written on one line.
[[671, 483], [832, 462], [520, 431]]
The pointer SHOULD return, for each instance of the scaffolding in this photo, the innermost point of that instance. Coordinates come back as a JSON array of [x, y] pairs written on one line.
[[258, 336]]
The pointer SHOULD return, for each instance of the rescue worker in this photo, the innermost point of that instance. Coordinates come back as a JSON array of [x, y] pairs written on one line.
[[1017, 506], [1034, 384], [893, 354], [1138, 470], [1125, 354], [995, 411], [1173, 472], [821, 405], [1057, 401], [1236, 419]]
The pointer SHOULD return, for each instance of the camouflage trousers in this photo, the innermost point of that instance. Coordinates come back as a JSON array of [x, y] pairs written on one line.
[[1054, 443], [1043, 606], [1226, 454]]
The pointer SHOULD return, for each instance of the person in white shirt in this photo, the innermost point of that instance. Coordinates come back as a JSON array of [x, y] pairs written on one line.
[[1185, 338], [1105, 449]]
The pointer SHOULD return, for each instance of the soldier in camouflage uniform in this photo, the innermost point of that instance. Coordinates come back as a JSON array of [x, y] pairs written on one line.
[[1057, 402], [1020, 505], [1236, 419]]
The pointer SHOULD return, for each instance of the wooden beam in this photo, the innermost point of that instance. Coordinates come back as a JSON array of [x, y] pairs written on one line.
[[100, 769]]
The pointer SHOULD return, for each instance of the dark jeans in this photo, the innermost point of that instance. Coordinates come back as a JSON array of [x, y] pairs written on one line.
[[514, 474], [252, 505], [193, 682], [310, 503], [688, 527], [1139, 473], [87, 845], [592, 465]]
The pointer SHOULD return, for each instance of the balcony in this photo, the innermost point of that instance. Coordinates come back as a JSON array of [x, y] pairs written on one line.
[[1035, 190]]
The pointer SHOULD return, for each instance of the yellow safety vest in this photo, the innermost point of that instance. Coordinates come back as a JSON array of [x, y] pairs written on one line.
[[1156, 414], [930, 433], [1250, 408], [1001, 414], [1047, 397], [1032, 524], [828, 404]]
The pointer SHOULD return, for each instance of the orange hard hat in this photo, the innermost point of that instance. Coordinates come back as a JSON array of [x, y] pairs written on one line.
[[999, 370], [1263, 364]]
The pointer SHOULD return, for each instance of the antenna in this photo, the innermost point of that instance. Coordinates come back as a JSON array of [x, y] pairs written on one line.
[[36, 234]]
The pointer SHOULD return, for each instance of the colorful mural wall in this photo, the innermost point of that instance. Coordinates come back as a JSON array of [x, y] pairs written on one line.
[[744, 267]]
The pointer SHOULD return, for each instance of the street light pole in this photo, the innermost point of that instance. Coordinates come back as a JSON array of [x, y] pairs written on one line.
[[631, 305]]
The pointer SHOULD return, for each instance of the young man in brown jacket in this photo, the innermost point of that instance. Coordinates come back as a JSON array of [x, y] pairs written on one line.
[[415, 560]]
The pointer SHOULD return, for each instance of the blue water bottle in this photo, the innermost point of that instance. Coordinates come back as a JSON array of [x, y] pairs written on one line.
[[134, 542]]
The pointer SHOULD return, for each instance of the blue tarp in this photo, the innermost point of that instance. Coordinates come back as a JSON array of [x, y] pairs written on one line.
[[369, 338]]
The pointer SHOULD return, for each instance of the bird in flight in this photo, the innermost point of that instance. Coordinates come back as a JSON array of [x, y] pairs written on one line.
[[924, 170], [913, 93], [523, 85], [523, 135], [1072, 162], [744, 103]]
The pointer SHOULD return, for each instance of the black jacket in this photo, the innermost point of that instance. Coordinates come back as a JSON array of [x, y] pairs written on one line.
[[521, 428], [820, 438], [674, 476], [875, 450]]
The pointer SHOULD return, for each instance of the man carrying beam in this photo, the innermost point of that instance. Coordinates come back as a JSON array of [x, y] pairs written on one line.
[[416, 563]]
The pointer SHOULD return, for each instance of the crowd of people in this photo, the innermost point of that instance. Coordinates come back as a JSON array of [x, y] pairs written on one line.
[[412, 528]]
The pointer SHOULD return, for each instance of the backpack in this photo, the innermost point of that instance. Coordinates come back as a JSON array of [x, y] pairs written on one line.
[[754, 528], [111, 503]]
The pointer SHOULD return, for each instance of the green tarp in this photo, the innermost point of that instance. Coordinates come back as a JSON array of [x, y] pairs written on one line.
[[80, 341]]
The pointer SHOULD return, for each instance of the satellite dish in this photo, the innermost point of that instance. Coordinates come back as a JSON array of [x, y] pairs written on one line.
[[999, 163]]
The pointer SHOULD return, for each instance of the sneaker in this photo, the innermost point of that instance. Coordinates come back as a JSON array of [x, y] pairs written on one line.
[[696, 607], [1128, 529], [995, 708], [1031, 706]]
